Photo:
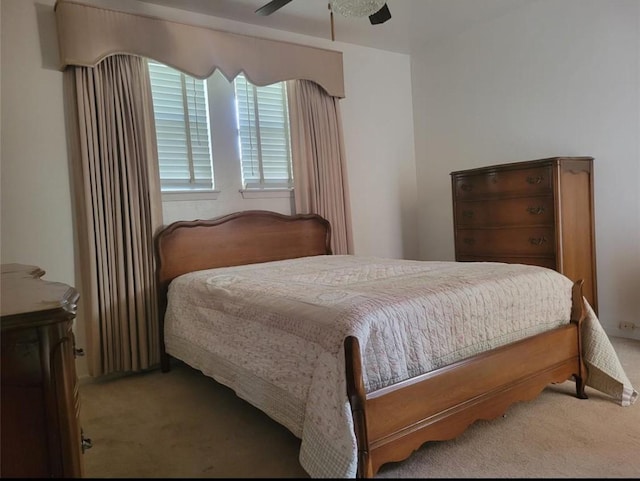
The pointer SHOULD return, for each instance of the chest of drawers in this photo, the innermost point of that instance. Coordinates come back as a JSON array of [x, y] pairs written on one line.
[[537, 212], [41, 435]]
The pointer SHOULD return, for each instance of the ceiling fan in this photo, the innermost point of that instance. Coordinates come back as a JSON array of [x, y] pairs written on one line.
[[377, 10]]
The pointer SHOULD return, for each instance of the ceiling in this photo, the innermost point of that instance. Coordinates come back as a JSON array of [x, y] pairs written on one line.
[[414, 23]]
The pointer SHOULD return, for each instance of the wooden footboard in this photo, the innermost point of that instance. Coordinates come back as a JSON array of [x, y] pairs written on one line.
[[393, 422]]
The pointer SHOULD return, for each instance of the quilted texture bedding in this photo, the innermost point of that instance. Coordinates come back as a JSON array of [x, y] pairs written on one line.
[[274, 333]]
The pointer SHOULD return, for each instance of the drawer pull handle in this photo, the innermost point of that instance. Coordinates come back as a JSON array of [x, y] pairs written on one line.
[[535, 210], [85, 443], [534, 180], [467, 214], [539, 241], [469, 240], [78, 352], [466, 187]]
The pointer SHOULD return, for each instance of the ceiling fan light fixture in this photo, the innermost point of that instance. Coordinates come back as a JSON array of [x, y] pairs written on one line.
[[356, 8]]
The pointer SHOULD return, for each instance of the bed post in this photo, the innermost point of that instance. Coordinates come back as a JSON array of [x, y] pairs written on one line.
[[357, 399], [577, 316], [162, 289], [165, 364]]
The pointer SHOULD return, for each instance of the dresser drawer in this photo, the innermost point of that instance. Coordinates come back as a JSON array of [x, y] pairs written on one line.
[[21, 363], [505, 212], [548, 262], [537, 241], [535, 180]]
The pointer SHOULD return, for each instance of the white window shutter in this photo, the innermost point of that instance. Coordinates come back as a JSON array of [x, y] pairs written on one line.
[[181, 114], [263, 125]]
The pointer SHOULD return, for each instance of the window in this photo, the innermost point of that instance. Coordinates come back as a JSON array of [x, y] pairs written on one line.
[[253, 126], [263, 126], [181, 113]]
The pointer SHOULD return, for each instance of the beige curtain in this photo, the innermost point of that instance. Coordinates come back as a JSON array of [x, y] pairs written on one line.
[[117, 210], [319, 166], [114, 157]]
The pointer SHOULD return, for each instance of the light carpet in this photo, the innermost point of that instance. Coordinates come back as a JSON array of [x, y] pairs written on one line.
[[182, 424]]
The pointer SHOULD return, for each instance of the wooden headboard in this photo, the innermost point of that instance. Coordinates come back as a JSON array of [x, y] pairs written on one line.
[[246, 237]]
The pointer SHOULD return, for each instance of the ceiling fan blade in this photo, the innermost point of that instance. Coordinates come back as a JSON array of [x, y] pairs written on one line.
[[380, 16], [271, 7]]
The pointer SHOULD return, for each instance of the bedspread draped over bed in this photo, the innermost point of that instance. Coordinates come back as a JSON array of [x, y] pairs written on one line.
[[274, 333]]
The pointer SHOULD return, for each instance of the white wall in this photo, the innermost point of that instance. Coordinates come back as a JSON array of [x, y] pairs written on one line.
[[37, 224], [559, 77], [36, 202]]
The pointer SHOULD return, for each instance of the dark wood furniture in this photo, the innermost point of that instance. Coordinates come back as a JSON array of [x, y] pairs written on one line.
[[392, 422], [536, 212], [41, 435]]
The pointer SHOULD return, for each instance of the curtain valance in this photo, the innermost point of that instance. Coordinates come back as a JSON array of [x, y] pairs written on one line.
[[87, 34]]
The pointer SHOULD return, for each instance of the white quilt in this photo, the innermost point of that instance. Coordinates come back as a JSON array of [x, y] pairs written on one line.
[[274, 333]]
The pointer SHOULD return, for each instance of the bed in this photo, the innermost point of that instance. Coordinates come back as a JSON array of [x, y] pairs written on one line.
[[338, 348]]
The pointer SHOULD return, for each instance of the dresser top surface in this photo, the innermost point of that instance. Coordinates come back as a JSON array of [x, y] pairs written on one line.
[[25, 295], [526, 164]]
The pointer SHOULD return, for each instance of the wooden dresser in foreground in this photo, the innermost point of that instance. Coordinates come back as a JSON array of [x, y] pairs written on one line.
[[538, 212], [41, 435]]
